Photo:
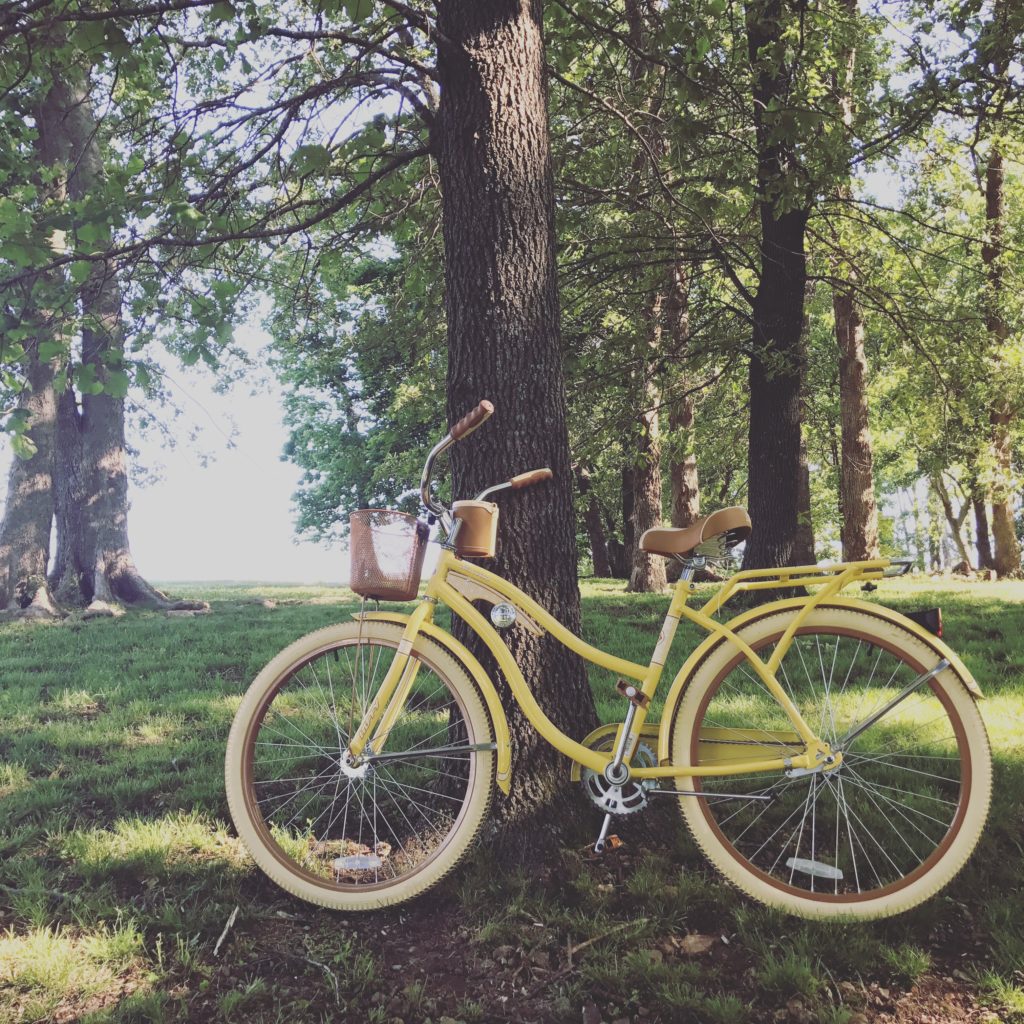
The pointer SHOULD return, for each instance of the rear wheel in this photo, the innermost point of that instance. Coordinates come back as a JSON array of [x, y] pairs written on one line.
[[875, 836], [356, 837]]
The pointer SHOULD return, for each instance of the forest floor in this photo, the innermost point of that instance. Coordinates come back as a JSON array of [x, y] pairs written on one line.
[[119, 869]]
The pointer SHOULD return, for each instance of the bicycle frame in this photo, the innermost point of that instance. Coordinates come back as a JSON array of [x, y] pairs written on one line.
[[454, 577]]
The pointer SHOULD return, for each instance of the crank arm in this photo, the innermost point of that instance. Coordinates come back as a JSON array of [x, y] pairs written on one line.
[[428, 752]]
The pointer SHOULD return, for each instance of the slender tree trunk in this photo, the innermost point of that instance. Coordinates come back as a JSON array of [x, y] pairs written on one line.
[[28, 511], [647, 572], [803, 545], [622, 553], [504, 343], [776, 366], [594, 523], [954, 520], [1001, 413], [984, 545], [856, 477], [94, 563], [860, 510], [682, 410]]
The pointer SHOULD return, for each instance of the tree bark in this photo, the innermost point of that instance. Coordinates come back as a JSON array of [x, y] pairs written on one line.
[[776, 366], [94, 563], [28, 512], [504, 342], [594, 523]]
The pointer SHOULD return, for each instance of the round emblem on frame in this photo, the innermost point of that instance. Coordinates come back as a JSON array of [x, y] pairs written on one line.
[[503, 615]]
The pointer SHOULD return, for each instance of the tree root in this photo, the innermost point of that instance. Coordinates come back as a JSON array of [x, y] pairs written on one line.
[[40, 609]]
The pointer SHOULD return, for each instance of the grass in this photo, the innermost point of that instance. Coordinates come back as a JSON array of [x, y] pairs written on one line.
[[119, 867]]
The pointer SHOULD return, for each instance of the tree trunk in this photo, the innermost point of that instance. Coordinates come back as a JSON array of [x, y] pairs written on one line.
[[860, 510], [504, 343], [803, 545], [594, 523], [94, 563], [856, 477], [682, 410], [28, 512], [621, 552], [984, 545], [1001, 412], [647, 572], [683, 475], [776, 366], [955, 520]]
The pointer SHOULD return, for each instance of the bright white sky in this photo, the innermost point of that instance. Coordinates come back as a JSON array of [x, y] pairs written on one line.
[[232, 518]]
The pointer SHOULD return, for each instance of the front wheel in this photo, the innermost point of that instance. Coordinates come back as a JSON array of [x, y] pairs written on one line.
[[365, 835], [873, 837]]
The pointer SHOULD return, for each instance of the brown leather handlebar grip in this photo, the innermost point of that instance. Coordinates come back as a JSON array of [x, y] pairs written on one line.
[[534, 476], [472, 420]]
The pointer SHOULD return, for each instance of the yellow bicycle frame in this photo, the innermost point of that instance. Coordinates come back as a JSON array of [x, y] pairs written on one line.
[[398, 682]]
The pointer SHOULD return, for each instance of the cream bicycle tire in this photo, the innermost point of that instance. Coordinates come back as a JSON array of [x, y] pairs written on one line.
[[768, 884], [257, 835]]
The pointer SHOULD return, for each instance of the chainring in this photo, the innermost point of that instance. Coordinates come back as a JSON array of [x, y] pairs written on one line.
[[627, 798]]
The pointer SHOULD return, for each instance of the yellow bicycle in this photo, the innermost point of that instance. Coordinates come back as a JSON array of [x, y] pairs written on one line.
[[826, 753]]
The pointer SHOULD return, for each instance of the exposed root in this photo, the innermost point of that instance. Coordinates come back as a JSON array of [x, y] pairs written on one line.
[[102, 610]]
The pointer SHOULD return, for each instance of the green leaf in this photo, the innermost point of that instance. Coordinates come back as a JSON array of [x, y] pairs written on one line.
[[117, 383], [310, 158], [224, 12], [23, 446], [50, 350], [358, 10], [79, 271]]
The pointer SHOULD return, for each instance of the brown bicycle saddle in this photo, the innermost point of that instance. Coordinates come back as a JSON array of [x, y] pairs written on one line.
[[728, 527]]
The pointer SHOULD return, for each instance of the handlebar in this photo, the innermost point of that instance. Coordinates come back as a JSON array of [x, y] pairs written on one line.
[[459, 432], [534, 476], [473, 419]]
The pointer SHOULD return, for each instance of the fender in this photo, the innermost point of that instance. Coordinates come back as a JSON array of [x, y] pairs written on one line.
[[684, 675], [462, 655]]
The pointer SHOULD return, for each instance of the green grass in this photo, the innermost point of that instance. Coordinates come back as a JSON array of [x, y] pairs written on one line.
[[119, 867]]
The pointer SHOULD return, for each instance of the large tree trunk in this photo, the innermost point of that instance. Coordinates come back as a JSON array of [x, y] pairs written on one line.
[[28, 512], [94, 563], [776, 366], [594, 523], [504, 343], [857, 484]]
